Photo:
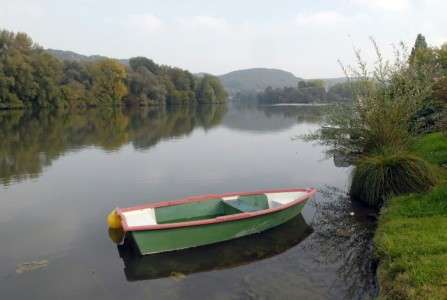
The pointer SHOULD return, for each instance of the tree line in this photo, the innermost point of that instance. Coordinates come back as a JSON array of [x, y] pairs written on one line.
[[308, 91], [30, 77]]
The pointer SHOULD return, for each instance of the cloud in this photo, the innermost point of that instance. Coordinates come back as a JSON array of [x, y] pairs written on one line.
[[22, 9], [145, 22], [320, 18], [210, 22], [213, 37], [439, 40], [202, 22], [149, 23], [388, 5]]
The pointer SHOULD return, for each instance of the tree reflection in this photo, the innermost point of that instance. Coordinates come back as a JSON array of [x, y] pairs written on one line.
[[31, 141], [271, 118], [301, 113], [343, 238]]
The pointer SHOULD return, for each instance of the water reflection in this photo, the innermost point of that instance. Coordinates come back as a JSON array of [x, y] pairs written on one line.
[[213, 257], [343, 238], [263, 119], [30, 141], [341, 160], [54, 226]]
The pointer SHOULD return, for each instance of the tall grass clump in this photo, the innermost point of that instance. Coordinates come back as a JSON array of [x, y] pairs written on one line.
[[380, 176]]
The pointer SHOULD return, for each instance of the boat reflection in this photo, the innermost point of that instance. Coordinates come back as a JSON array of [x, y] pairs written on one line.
[[213, 257]]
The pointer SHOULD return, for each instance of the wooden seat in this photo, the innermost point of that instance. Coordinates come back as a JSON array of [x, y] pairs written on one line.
[[241, 206]]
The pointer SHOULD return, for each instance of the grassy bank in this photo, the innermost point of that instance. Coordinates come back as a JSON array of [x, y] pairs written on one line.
[[411, 238]]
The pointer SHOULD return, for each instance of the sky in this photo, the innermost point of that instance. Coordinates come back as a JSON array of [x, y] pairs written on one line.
[[306, 38]]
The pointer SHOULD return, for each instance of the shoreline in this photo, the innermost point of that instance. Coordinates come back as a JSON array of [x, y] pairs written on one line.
[[297, 104], [410, 240]]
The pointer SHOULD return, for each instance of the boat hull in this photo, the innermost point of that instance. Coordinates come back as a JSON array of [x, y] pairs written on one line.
[[217, 256], [171, 239]]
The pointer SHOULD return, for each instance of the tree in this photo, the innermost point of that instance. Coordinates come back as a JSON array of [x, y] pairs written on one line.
[[441, 54], [340, 92], [145, 87], [210, 90], [16, 82], [305, 92], [420, 53], [149, 64], [108, 77], [29, 76], [47, 74], [182, 80]]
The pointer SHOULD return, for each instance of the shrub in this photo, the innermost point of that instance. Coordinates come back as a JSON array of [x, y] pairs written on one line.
[[380, 176], [386, 98]]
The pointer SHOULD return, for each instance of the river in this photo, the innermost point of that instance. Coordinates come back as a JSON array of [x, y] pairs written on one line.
[[62, 173]]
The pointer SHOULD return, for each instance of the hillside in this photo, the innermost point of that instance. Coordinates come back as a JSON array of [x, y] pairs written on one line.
[[257, 80], [73, 56]]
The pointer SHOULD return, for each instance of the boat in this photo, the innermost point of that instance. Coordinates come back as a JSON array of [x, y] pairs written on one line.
[[219, 256], [206, 219]]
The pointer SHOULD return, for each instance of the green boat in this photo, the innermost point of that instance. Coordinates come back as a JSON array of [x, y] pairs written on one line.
[[207, 219], [217, 256]]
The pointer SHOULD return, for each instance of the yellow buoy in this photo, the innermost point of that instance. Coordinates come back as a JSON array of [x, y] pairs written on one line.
[[114, 220], [116, 235]]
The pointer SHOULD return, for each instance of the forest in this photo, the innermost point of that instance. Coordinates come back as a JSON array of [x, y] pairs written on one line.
[[30, 77], [308, 91]]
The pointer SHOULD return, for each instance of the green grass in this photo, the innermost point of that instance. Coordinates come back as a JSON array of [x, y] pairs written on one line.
[[418, 205], [432, 147], [404, 237], [411, 238]]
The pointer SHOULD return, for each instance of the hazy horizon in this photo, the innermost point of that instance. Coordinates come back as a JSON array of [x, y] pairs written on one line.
[[301, 37]]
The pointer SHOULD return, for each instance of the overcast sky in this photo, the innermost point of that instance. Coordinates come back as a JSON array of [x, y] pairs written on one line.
[[218, 36]]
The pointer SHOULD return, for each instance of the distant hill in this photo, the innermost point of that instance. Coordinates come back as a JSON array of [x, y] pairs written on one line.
[[248, 81], [257, 80], [73, 56]]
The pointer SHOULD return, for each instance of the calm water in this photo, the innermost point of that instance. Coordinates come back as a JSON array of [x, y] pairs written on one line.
[[61, 174]]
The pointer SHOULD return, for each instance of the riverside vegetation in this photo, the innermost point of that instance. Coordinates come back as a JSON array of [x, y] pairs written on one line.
[[395, 130], [303, 92], [30, 77]]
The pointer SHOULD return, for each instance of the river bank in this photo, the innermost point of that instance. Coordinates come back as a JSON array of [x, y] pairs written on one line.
[[411, 240]]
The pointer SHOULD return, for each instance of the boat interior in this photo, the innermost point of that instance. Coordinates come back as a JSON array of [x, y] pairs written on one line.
[[209, 209]]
